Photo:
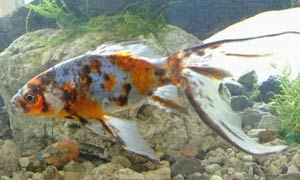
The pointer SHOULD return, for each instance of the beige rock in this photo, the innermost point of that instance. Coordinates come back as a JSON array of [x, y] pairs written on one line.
[[159, 174], [38, 176], [104, 171], [125, 174], [215, 177], [9, 158], [72, 176]]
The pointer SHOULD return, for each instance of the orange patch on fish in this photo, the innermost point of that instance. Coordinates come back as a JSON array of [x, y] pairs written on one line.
[[37, 107], [110, 81], [141, 72], [68, 87], [175, 65], [36, 80], [86, 108]]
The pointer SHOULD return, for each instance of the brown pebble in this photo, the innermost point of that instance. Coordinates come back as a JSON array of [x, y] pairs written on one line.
[[57, 154]]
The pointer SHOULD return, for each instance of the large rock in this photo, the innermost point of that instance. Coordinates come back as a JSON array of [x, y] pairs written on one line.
[[27, 57]]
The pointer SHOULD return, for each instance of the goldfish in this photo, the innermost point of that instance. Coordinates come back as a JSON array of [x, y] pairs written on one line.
[[121, 75]]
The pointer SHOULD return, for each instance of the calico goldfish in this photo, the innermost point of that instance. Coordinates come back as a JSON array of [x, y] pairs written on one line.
[[121, 75]]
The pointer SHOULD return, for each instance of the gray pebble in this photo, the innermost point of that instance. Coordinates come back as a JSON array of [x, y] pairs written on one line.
[[212, 168]]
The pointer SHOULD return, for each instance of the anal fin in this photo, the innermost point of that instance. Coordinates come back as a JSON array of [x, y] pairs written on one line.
[[127, 133]]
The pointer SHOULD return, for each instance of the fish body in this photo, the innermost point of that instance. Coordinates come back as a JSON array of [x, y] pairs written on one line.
[[119, 76]]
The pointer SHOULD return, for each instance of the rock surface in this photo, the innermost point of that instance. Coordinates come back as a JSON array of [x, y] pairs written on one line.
[[9, 158], [27, 56]]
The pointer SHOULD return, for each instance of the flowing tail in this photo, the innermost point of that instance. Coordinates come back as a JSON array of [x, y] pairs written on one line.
[[197, 71]]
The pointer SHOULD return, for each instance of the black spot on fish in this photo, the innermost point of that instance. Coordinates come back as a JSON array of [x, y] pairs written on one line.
[[102, 86], [106, 77], [65, 71], [70, 96], [85, 69], [122, 100], [47, 78], [159, 72], [23, 105], [45, 106], [35, 89], [89, 80], [69, 117], [127, 88]]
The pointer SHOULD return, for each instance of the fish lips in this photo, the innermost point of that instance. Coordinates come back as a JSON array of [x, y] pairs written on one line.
[[14, 102]]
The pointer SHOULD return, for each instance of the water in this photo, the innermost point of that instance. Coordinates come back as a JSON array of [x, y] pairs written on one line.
[[186, 146]]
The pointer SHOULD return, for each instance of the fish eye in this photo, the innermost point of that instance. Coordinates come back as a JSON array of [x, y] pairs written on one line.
[[30, 98]]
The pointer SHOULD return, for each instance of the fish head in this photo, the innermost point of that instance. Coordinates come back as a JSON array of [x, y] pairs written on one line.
[[39, 97]]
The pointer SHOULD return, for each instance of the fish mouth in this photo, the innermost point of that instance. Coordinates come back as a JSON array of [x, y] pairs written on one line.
[[15, 104]]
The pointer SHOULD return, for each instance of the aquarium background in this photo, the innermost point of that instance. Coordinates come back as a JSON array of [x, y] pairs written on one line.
[[37, 36]]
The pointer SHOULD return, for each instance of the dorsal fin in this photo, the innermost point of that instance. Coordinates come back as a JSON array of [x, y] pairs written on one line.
[[138, 49]]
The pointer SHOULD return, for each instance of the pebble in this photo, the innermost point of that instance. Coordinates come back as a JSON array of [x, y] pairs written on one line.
[[296, 160], [289, 176], [198, 176], [239, 103], [268, 121], [163, 173], [51, 173], [88, 166], [263, 135], [74, 167], [235, 88], [103, 171], [274, 170], [248, 80], [292, 169], [247, 158], [122, 161], [236, 176], [57, 154], [72, 176], [178, 177], [250, 117], [125, 174], [187, 167], [24, 162], [5, 178], [215, 177], [212, 168], [28, 174], [37, 176]]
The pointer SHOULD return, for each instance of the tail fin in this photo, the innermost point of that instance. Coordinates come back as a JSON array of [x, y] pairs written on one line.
[[204, 67], [209, 97]]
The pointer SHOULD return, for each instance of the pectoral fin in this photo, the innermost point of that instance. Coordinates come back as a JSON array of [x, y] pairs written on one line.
[[210, 100], [127, 133]]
